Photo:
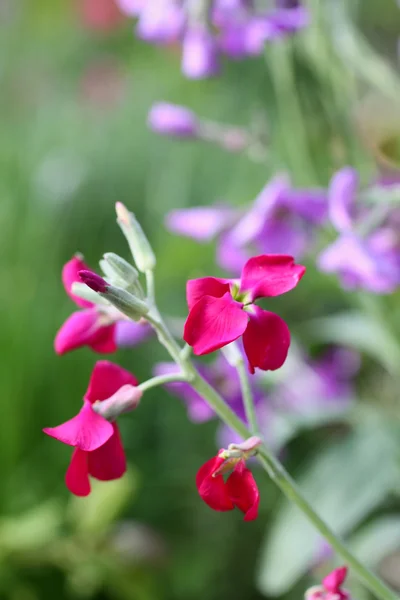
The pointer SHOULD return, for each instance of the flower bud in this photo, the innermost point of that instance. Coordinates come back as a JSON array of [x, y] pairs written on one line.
[[86, 293], [139, 245], [124, 400], [199, 54], [121, 268], [171, 119], [127, 303]]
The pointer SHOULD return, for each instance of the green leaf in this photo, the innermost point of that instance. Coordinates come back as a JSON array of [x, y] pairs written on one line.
[[377, 539], [344, 483], [103, 506]]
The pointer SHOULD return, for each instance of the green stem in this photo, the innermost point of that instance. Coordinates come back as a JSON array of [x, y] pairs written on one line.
[[273, 467], [247, 396], [161, 380]]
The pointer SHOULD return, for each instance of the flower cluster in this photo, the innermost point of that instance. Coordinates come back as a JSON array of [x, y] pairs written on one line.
[[366, 253], [208, 29]]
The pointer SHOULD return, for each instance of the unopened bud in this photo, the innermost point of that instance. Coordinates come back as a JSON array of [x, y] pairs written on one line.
[[142, 252], [124, 400], [127, 303], [121, 268], [249, 445]]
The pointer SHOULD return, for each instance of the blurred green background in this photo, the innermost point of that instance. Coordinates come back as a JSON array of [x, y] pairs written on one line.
[[73, 141]]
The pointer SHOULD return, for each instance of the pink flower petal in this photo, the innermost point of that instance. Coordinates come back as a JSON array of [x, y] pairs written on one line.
[[213, 323], [243, 491], [334, 580], [70, 276], [206, 286], [84, 328], [106, 379], [266, 340], [108, 462], [77, 477], [270, 275], [213, 489], [86, 431]]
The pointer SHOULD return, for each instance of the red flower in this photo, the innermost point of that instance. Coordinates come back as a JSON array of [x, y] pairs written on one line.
[[240, 489], [91, 326], [98, 448], [221, 310]]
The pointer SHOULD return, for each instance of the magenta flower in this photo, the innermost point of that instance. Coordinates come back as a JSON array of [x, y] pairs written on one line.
[[91, 326], [331, 588], [222, 310], [101, 327], [239, 490], [98, 450]]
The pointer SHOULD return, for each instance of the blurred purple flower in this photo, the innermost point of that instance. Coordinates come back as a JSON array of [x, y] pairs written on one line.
[[130, 334], [236, 28], [370, 261], [320, 385], [172, 119], [200, 57], [281, 220], [161, 21]]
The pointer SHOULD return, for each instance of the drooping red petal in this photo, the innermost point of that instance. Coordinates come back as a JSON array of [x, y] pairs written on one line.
[[213, 489], [86, 431], [213, 323], [206, 286], [334, 580], [243, 491], [266, 340], [106, 379], [77, 476], [108, 462], [70, 275], [84, 328], [270, 275]]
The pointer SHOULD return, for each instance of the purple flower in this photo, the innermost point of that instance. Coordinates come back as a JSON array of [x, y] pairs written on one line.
[[370, 260], [161, 21], [171, 119], [281, 220], [317, 386], [199, 53], [130, 334]]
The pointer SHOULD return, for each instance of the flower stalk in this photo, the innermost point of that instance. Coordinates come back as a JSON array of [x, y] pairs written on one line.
[[269, 462]]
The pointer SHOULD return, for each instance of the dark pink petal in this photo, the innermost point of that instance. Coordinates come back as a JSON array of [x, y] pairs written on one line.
[[266, 340], [334, 580], [213, 323], [86, 431], [270, 275], [70, 276], [106, 379], [104, 342], [206, 286], [94, 281], [243, 491], [77, 476], [85, 328], [108, 462], [213, 489]]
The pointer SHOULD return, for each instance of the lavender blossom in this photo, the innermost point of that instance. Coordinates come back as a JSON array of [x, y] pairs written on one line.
[[280, 220], [171, 119], [362, 259]]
